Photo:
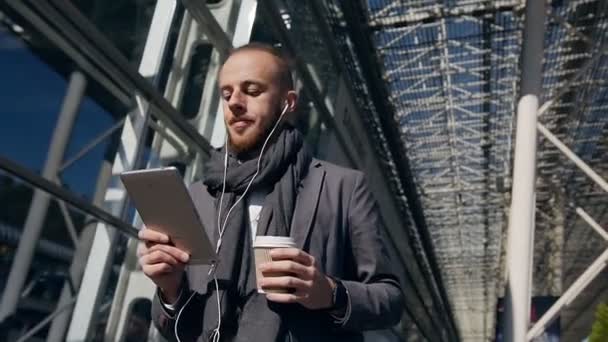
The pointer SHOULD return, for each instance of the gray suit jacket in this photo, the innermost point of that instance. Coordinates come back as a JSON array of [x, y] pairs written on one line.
[[336, 220]]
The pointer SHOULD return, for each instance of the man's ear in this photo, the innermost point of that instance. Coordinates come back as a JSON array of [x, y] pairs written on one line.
[[292, 101]]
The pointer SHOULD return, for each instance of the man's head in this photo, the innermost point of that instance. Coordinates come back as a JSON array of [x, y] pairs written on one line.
[[255, 84]]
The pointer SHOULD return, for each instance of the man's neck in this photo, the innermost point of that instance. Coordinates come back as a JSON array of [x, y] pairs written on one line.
[[248, 155], [254, 152]]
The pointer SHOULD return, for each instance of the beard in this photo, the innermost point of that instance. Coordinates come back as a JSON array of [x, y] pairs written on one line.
[[252, 140]]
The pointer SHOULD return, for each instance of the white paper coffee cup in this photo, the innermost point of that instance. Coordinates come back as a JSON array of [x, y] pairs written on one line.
[[262, 245]]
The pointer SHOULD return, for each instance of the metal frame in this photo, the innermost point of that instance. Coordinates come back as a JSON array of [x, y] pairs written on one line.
[[66, 196], [457, 150], [92, 55], [413, 296], [598, 264], [41, 200], [100, 59], [99, 262], [577, 287], [203, 16], [376, 103], [452, 70]]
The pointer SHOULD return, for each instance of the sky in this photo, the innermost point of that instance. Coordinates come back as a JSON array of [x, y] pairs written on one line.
[[31, 94]]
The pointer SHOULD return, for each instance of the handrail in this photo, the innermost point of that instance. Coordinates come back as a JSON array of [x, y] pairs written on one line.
[[66, 196]]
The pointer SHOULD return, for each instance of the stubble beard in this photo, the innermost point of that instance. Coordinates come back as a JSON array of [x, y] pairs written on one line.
[[252, 141]]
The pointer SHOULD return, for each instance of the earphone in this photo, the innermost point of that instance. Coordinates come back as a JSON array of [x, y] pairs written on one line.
[[222, 228]]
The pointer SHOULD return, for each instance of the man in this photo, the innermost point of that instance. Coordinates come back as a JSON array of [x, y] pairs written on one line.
[[340, 281]]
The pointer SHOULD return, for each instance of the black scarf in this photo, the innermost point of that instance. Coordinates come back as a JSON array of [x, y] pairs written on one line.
[[247, 315]]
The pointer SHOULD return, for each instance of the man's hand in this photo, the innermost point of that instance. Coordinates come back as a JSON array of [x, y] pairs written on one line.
[[161, 262], [312, 288]]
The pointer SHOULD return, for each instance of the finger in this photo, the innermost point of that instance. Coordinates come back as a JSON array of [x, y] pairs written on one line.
[[294, 254], [285, 297], [141, 249], [157, 269], [175, 252], [286, 283], [150, 235], [158, 257], [286, 266]]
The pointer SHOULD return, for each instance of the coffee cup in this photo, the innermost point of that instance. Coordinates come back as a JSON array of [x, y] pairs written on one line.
[[262, 245]]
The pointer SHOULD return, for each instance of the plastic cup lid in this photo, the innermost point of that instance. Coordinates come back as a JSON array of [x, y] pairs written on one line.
[[273, 241]]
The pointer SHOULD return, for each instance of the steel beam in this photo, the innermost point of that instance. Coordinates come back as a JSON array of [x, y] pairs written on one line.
[[575, 289], [521, 217], [60, 323], [66, 196], [212, 29], [98, 56], [573, 157]]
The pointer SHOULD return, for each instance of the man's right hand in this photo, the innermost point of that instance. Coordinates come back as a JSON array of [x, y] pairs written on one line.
[[161, 262]]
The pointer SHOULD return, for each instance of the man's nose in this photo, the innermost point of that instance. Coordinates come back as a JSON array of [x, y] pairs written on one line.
[[237, 103]]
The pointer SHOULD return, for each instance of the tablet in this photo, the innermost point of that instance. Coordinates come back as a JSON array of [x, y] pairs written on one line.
[[164, 204]]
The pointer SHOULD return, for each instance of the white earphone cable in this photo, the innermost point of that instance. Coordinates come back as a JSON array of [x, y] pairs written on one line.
[[221, 233], [216, 331]]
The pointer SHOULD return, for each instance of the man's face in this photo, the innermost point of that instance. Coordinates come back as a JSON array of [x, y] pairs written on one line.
[[252, 94]]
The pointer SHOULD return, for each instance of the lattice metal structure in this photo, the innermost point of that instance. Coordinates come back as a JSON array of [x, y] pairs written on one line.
[[575, 78], [453, 74]]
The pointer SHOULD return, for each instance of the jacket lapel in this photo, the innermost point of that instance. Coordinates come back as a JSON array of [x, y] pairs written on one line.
[[307, 203]]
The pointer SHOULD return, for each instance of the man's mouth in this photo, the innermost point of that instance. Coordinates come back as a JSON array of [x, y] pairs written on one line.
[[241, 125]]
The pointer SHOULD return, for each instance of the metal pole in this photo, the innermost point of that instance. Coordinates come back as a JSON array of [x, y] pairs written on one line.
[[521, 217], [41, 324], [575, 289], [590, 221], [60, 323], [212, 29], [573, 157], [67, 196], [40, 201]]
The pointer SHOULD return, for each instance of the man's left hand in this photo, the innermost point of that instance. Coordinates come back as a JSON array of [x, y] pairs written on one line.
[[311, 288]]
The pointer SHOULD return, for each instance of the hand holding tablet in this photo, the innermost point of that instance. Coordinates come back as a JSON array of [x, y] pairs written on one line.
[[174, 235], [165, 206]]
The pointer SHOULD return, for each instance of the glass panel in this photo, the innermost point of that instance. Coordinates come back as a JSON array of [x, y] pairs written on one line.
[[195, 82], [39, 76], [138, 321], [28, 125]]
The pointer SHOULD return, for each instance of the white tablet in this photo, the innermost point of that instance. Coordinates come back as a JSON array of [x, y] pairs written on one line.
[[164, 204]]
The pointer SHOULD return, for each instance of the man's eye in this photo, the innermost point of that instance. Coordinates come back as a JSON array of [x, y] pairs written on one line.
[[226, 96], [253, 91]]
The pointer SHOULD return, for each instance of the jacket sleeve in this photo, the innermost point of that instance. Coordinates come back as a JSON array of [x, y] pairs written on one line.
[[163, 320], [189, 324], [376, 298]]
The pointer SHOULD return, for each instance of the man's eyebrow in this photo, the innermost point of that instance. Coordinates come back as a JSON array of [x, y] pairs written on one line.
[[254, 82], [245, 82]]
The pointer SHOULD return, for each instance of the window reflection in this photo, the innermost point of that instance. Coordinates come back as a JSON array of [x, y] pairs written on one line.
[[195, 83], [138, 321]]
